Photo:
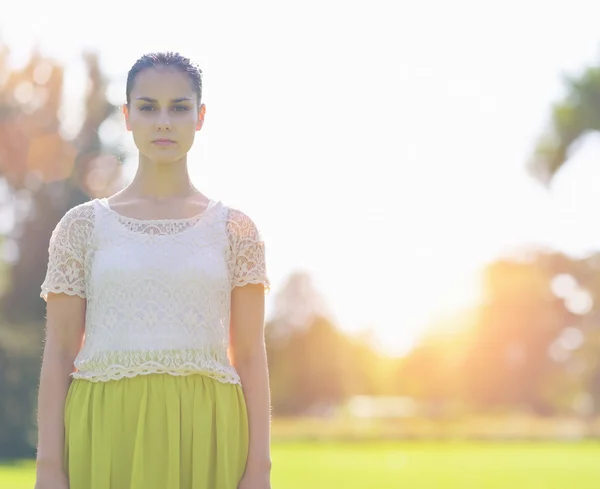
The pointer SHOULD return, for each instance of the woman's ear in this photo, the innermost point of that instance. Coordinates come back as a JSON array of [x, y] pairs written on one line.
[[126, 115], [201, 113]]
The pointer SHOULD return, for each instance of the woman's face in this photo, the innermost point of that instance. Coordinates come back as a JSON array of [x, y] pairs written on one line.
[[163, 114]]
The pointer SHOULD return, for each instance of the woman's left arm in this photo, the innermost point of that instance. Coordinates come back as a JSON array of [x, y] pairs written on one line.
[[249, 357]]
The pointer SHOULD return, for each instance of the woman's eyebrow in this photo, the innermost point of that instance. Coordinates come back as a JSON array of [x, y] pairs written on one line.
[[174, 101]]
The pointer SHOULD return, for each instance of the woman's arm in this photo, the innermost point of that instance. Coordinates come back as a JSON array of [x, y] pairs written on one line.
[[248, 354], [64, 336]]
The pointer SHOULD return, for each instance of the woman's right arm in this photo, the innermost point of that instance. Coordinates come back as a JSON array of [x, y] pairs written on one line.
[[64, 336]]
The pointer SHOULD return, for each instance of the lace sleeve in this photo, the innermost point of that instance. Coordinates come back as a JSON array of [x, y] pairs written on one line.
[[66, 253], [248, 247]]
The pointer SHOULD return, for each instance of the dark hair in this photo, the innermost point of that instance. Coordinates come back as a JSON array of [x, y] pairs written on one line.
[[168, 58]]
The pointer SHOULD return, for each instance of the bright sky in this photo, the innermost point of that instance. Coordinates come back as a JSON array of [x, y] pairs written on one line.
[[380, 146]]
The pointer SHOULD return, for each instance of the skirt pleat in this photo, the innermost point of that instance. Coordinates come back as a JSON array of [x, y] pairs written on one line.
[[155, 431]]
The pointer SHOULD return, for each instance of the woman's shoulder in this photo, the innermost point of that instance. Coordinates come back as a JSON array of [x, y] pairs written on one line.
[[83, 213], [240, 224], [78, 220], [235, 215]]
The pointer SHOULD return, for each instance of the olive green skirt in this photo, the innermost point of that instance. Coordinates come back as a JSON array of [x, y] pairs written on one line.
[[155, 431]]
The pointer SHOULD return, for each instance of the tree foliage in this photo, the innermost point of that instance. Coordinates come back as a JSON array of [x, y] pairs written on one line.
[[43, 173], [571, 119]]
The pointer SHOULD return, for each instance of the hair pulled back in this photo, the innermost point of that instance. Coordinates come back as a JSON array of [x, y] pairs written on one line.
[[170, 59]]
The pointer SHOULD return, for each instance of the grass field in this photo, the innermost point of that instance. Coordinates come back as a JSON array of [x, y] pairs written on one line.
[[413, 465]]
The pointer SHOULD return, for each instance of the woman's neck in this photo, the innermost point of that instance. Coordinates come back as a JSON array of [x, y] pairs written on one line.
[[161, 181]]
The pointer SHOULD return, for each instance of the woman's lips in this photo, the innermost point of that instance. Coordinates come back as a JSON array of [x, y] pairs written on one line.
[[163, 142]]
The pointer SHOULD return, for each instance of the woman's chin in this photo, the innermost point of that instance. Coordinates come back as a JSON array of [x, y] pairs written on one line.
[[164, 157]]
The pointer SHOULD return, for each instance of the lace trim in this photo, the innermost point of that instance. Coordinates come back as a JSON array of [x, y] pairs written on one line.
[[61, 289], [114, 373], [115, 365], [255, 280], [160, 227]]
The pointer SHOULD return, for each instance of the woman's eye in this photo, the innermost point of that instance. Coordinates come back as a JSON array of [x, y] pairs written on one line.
[[181, 108], [146, 107]]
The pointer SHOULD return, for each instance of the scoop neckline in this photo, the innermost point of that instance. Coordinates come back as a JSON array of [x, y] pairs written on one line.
[[211, 204]]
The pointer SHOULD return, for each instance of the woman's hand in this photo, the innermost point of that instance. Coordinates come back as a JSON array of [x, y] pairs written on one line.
[[255, 481], [51, 478]]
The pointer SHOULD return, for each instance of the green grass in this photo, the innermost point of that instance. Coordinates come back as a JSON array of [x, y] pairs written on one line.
[[17, 475], [447, 465], [413, 465]]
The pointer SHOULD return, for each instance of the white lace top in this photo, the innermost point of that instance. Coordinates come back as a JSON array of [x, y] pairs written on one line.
[[158, 291]]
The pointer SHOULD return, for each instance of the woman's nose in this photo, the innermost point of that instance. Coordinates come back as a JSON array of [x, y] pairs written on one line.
[[164, 122]]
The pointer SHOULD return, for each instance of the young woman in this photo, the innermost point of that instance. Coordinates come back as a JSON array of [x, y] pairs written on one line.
[[154, 373]]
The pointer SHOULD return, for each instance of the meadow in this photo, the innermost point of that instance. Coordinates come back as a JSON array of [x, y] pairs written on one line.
[[412, 465]]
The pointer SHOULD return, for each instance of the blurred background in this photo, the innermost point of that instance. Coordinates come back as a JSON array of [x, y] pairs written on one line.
[[426, 176]]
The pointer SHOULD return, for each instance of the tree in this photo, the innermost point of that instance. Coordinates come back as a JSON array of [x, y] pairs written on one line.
[[313, 365], [572, 118], [297, 304], [508, 358], [43, 173], [533, 342]]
